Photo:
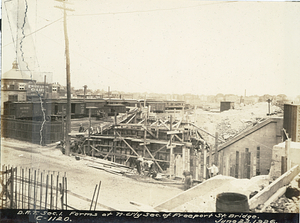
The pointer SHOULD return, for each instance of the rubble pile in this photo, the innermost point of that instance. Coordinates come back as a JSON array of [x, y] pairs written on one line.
[[232, 122], [289, 202], [284, 205]]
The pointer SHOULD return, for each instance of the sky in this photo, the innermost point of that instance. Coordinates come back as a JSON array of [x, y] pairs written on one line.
[[159, 46]]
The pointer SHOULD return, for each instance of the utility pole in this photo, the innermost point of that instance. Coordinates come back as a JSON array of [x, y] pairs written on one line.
[[68, 111]]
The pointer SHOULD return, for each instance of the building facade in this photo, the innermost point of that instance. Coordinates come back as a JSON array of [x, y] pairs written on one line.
[[250, 153]]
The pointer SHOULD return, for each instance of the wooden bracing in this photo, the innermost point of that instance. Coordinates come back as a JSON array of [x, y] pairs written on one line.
[[163, 141]]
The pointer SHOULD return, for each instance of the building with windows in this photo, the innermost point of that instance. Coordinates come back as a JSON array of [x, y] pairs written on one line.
[[18, 85], [250, 153], [13, 85]]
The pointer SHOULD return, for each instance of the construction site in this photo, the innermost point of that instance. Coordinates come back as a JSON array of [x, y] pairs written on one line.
[[160, 162], [168, 140]]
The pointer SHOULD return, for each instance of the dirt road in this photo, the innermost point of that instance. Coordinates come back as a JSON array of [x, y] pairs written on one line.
[[116, 191]]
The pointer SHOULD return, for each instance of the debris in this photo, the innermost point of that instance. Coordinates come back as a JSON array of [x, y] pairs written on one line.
[[292, 192]]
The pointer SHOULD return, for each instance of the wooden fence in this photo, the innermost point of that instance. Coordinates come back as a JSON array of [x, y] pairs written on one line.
[[32, 131], [32, 189]]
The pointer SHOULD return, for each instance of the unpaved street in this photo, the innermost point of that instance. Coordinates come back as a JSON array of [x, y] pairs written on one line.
[[116, 191]]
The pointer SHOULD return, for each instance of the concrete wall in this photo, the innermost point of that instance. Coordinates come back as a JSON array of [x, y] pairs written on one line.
[[264, 137], [279, 151]]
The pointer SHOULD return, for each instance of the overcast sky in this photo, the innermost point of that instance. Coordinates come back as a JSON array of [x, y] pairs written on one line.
[[161, 46]]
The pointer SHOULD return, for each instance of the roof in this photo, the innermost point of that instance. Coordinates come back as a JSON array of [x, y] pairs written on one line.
[[15, 73], [248, 132]]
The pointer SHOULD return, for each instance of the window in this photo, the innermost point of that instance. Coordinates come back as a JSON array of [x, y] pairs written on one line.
[[13, 97], [54, 89], [11, 87], [258, 161], [21, 86]]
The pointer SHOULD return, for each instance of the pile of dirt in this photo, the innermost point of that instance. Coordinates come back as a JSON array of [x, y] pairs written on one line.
[[231, 122]]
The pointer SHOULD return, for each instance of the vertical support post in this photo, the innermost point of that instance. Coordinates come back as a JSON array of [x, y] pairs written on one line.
[[2, 181], [287, 153], [28, 199], [89, 131], [16, 188], [6, 177], [62, 193], [63, 126], [115, 137], [171, 151], [46, 195], [210, 156], [68, 126], [145, 132], [22, 188], [66, 193], [51, 190], [216, 149], [56, 195], [11, 188], [34, 190], [41, 190], [204, 164]]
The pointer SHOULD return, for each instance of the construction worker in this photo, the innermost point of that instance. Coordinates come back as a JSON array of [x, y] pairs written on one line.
[[81, 129], [139, 163], [188, 181], [151, 172], [214, 170]]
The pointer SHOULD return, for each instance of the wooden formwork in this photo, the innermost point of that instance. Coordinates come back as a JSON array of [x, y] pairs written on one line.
[[169, 143]]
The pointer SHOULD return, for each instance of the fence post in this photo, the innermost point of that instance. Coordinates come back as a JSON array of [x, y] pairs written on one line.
[[41, 190], [46, 192], [57, 178], [66, 193], [34, 191], [51, 179], [28, 188], [11, 187], [16, 187]]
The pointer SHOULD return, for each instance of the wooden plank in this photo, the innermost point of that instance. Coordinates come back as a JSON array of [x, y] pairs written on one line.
[[131, 118], [127, 144], [159, 149], [149, 132], [206, 132], [283, 164], [173, 132], [153, 158]]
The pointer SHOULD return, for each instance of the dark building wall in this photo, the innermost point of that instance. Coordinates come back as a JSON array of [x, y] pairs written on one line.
[[291, 121], [226, 105]]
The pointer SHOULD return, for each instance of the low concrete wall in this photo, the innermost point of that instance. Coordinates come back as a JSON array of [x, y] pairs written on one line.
[[186, 196], [266, 193]]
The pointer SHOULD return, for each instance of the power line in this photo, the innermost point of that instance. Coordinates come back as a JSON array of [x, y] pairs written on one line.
[[37, 30]]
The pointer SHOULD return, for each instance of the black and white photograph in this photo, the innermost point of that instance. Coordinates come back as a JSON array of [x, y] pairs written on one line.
[[150, 111]]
